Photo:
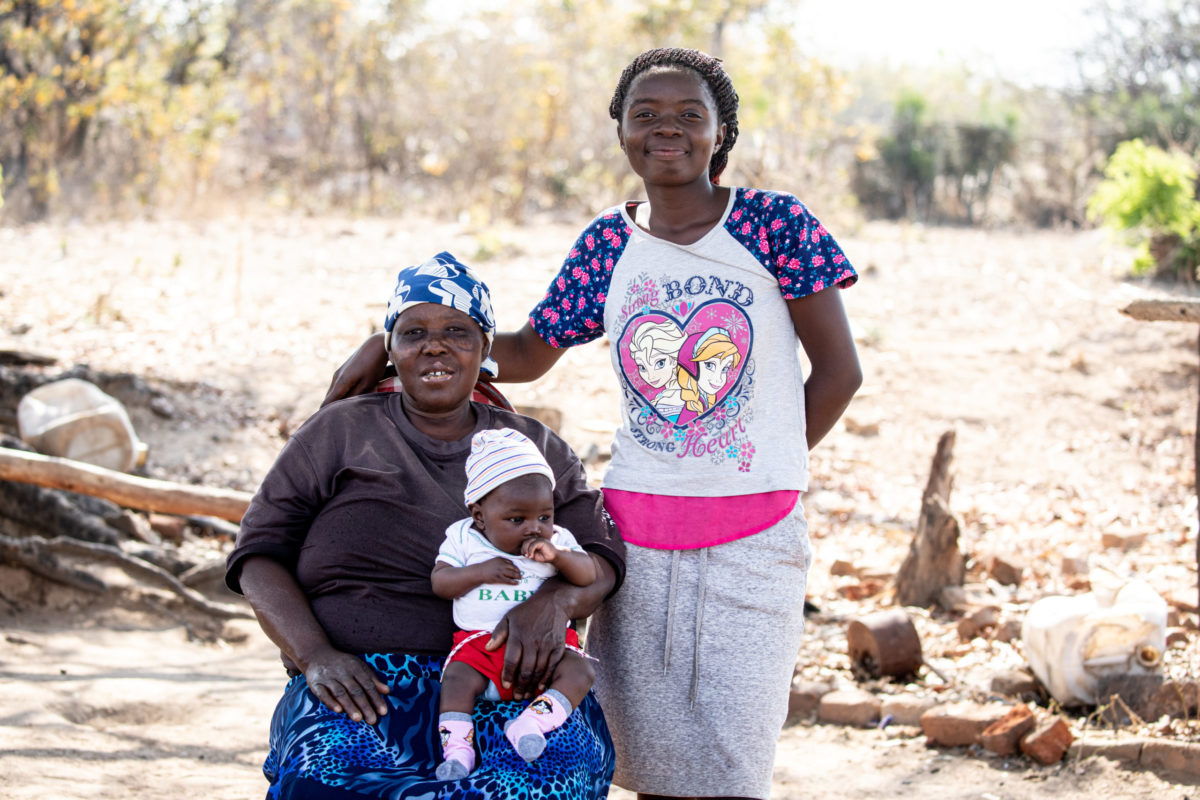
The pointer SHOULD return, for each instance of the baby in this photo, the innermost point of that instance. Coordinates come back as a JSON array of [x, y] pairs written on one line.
[[490, 562]]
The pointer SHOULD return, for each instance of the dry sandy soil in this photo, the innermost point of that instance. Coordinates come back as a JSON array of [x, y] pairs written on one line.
[[1072, 421]]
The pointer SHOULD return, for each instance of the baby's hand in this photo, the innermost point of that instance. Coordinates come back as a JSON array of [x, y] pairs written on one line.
[[500, 570], [540, 550]]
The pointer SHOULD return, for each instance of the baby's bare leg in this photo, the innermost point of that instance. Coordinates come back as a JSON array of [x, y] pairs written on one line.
[[461, 684], [573, 677]]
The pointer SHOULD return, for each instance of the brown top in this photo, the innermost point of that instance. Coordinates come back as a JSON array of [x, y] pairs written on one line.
[[358, 503]]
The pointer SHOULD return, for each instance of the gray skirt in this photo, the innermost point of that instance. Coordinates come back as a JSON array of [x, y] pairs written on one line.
[[696, 654]]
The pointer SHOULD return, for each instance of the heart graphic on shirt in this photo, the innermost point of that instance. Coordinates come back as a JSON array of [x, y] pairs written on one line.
[[683, 369]]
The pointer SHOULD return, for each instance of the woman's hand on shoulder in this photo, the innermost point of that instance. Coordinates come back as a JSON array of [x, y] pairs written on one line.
[[347, 685], [362, 371]]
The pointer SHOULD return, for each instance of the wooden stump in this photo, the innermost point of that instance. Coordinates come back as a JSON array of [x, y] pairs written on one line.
[[884, 644], [934, 560]]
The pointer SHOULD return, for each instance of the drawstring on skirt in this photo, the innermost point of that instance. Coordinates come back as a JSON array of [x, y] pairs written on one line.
[[672, 596]]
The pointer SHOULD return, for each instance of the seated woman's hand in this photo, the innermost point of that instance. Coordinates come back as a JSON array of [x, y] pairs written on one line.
[[347, 685], [535, 633]]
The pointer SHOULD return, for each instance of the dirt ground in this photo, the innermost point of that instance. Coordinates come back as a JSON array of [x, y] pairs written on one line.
[[1072, 422]]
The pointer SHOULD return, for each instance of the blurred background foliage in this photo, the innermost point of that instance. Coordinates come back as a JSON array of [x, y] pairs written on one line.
[[499, 110]]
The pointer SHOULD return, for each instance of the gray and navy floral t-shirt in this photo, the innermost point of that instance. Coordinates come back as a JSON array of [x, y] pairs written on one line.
[[701, 342]]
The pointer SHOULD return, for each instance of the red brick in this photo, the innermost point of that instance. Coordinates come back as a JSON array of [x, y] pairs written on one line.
[[959, 724], [1004, 735], [1048, 742], [1180, 757], [905, 709], [1125, 750], [849, 707], [804, 700]]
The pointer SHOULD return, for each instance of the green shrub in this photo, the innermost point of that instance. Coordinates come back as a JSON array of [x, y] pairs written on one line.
[[1151, 194]]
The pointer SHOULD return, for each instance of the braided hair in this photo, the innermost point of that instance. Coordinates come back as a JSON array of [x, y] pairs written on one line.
[[711, 70]]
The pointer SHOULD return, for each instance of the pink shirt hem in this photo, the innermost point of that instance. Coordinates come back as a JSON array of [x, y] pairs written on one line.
[[672, 522]]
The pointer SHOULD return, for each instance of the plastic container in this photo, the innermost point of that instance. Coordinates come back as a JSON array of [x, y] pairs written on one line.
[[75, 419], [1119, 628]]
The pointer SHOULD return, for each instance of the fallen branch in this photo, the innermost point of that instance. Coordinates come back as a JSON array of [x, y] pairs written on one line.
[[41, 556], [1164, 310], [126, 490]]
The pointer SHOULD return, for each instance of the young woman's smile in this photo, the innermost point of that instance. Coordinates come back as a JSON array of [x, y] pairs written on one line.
[[670, 128]]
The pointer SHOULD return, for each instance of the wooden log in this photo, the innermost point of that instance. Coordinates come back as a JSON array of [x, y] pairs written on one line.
[[934, 560], [24, 357], [41, 556], [884, 644], [126, 490], [1164, 310]]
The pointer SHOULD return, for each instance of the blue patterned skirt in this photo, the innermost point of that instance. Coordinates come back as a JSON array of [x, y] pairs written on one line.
[[316, 753]]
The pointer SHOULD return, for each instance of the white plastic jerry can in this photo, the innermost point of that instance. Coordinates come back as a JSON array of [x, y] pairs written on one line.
[[1119, 628], [75, 419]]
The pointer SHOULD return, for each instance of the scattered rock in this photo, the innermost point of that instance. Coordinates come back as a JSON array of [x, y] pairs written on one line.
[[1017, 683], [1177, 637], [1174, 699], [978, 622], [135, 526], [168, 526], [1007, 631], [1003, 736], [1121, 694], [842, 568], [1075, 565], [1006, 569], [861, 589], [1122, 541], [163, 407]]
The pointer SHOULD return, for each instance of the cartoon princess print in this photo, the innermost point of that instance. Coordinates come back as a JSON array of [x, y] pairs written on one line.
[[705, 361], [655, 349]]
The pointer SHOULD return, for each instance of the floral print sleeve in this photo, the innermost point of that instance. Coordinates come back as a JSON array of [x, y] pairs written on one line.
[[790, 242], [572, 312]]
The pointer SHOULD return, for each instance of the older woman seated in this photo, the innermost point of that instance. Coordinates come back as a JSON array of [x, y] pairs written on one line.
[[335, 554]]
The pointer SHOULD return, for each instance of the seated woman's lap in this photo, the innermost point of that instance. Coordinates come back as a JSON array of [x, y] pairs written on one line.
[[316, 753]]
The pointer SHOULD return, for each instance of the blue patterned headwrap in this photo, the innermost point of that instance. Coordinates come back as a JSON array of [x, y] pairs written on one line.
[[444, 281]]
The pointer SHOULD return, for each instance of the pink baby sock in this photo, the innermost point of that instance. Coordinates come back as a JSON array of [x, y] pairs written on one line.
[[528, 731], [457, 732]]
